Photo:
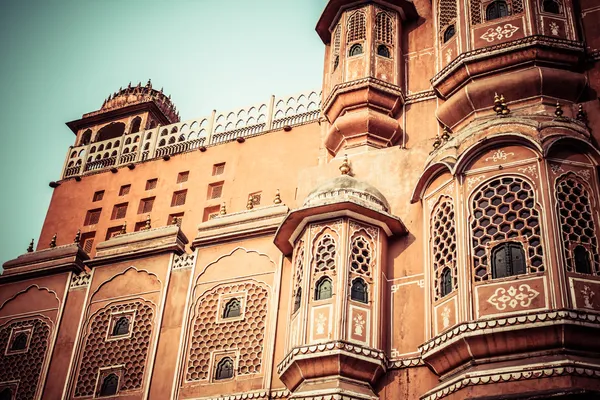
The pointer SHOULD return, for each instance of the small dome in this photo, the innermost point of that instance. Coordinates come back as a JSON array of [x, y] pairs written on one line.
[[343, 188]]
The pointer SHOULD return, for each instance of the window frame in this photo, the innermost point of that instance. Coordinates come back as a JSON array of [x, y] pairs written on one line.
[[114, 318], [26, 329], [224, 299], [366, 290], [497, 3], [505, 243], [317, 291]]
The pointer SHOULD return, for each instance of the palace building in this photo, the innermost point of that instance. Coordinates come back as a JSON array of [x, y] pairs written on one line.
[[422, 226]]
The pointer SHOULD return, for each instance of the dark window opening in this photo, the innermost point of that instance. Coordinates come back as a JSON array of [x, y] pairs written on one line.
[[336, 62], [110, 385], [121, 327], [297, 299], [446, 283], [324, 289], [135, 125], [497, 9], [508, 259], [582, 260], [111, 131], [6, 394], [358, 291], [86, 137], [224, 369], [551, 6], [449, 33], [355, 50], [232, 309], [383, 51], [19, 342]]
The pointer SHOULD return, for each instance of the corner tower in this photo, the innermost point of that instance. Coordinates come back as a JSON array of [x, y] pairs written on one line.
[[363, 72]]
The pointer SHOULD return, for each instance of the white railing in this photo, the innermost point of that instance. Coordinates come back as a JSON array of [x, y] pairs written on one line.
[[218, 128]]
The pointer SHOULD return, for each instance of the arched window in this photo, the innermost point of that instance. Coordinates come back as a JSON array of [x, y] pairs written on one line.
[[297, 299], [497, 9], [449, 33], [152, 124], [358, 291], [582, 260], [446, 282], [508, 259], [19, 342], [135, 125], [323, 289], [336, 62], [86, 137], [6, 394], [109, 386], [337, 42], [383, 51], [121, 327], [384, 28], [357, 27], [110, 131], [355, 50], [224, 369], [551, 6], [232, 309]]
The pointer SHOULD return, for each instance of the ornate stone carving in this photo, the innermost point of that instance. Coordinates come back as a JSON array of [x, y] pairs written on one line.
[[499, 155], [530, 170], [80, 281], [184, 261], [513, 297], [499, 33]]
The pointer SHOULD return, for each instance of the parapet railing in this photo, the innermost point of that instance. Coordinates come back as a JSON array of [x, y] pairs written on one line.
[[218, 128]]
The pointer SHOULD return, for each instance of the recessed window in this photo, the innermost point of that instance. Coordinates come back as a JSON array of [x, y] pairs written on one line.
[[449, 33], [146, 205], [151, 184], [446, 282], [87, 241], [323, 289], [19, 342], [358, 291], [124, 190], [112, 232], [218, 169], [92, 217], [139, 226], [582, 260], [495, 10], [175, 219], [297, 299], [232, 309], [383, 51], [179, 198], [215, 190], [183, 176], [110, 385], [135, 124], [6, 394], [336, 62], [99, 195], [121, 326], [551, 6], [119, 211], [224, 369], [508, 259], [210, 213], [355, 50]]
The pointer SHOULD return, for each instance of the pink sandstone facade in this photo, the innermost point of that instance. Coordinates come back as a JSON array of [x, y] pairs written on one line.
[[424, 227]]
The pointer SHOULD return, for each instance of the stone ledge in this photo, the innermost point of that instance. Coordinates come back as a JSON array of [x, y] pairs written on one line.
[[49, 261]]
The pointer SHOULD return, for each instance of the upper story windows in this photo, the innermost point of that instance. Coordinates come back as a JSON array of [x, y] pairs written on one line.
[[224, 369], [86, 137], [92, 217], [355, 50], [124, 190], [183, 177], [496, 9], [218, 169], [135, 125], [121, 326], [508, 259], [232, 309], [151, 183], [449, 33], [359, 291], [98, 196], [337, 44], [357, 27], [443, 247], [324, 289], [447, 19], [109, 386], [551, 6]]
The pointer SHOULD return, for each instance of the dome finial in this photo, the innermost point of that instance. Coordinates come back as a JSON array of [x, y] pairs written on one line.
[[277, 199], [30, 248], [53, 241], [223, 210], [77, 237], [345, 167]]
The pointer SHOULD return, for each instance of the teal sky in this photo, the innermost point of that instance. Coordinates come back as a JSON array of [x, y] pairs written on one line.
[[60, 59]]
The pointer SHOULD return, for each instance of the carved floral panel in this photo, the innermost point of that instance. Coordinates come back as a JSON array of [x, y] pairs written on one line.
[[512, 296], [585, 293]]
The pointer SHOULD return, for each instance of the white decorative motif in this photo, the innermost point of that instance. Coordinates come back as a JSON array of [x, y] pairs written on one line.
[[80, 281], [513, 297], [499, 33], [556, 168], [530, 170], [184, 261], [395, 353], [449, 55], [450, 189], [321, 320], [499, 155], [585, 174], [474, 180], [554, 28], [588, 295], [421, 283], [446, 317], [359, 324], [394, 288], [431, 202]]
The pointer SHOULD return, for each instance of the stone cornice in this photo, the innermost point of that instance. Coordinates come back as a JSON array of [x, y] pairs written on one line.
[[405, 363], [525, 321], [258, 394], [520, 373], [489, 51], [420, 96], [360, 84], [332, 348]]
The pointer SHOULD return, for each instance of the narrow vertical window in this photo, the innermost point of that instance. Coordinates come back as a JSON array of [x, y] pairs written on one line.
[[582, 260], [358, 291], [224, 369], [497, 9], [449, 33], [232, 309], [508, 259], [19, 342], [121, 327], [551, 6], [355, 50], [6, 394], [323, 289], [446, 284], [110, 385], [297, 299]]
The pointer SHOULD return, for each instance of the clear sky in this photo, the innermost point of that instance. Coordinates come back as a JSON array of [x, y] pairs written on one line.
[[60, 59]]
